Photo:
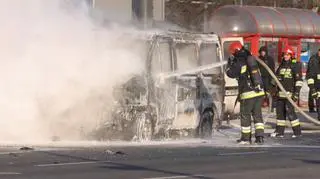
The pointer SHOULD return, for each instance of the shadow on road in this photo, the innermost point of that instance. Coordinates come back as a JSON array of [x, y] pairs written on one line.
[[316, 162], [122, 166], [70, 156]]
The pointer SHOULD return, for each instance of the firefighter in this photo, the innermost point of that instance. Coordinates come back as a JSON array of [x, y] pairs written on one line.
[[243, 66], [266, 77], [313, 79], [311, 100], [289, 74], [312, 61]]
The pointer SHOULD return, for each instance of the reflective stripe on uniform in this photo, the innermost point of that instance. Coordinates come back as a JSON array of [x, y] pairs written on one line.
[[243, 69], [295, 123], [246, 129], [259, 126], [310, 81], [281, 123], [316, 94], [282, 94], [299, 83], [287, 73], [251, 94]]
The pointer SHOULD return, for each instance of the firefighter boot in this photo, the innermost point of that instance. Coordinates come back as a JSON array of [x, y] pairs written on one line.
[[277, 135], [244, 141], [259, 140], [296, 131], [279, 132]]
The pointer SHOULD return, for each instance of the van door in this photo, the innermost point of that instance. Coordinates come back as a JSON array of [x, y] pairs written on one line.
[[225, 46], [231, 86]]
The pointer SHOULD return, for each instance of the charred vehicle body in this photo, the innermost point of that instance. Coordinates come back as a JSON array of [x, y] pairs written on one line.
[[180, 93]]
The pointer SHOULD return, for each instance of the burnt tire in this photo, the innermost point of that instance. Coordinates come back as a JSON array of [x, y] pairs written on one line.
[[205, 126]]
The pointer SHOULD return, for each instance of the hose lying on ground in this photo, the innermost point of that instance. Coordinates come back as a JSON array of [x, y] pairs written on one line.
[[285, 92]]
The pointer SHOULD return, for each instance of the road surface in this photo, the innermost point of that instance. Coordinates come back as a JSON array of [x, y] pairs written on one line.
[[204, 160]]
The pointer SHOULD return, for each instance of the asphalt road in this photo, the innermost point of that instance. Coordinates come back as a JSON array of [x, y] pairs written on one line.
[[203, 161]]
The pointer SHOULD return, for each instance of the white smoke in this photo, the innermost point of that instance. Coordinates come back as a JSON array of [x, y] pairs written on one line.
[[57, 68]]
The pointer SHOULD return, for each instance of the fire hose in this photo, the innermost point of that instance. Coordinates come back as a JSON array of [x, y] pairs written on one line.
[[162, 78], [286, 94]]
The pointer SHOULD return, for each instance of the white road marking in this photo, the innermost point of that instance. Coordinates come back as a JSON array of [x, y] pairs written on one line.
[[70, 163], [29, 151], [294, 146], [170, 177], [8, 153], [242, 153], [10, 173]]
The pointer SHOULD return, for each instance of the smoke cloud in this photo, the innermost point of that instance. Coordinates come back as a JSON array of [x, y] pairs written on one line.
[[58, 68]]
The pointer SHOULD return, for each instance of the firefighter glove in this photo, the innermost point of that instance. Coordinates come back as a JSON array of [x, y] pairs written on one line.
[[231, 60], [258, 88]]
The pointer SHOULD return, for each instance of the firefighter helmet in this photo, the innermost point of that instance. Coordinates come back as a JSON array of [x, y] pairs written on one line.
[[235, 47], [288, 50]]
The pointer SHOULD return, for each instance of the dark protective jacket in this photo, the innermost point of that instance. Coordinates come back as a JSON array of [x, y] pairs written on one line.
[[266, 77], [313, 73], [244, 68], [289, 74]]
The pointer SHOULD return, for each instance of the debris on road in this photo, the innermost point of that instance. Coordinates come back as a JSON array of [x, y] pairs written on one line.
[[109, 152], [26, 148]]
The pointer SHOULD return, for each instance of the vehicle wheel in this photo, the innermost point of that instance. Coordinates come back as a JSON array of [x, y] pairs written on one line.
[[205, 127]]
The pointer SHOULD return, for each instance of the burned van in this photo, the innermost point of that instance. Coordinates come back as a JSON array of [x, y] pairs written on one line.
[[180, 93]]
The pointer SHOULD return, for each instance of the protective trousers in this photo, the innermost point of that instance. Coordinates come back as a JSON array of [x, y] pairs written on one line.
[[285, 109], [318, 106], [310, 101], [251, 108]]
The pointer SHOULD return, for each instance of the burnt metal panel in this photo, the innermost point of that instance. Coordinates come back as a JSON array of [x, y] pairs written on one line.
[[265, 21]]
